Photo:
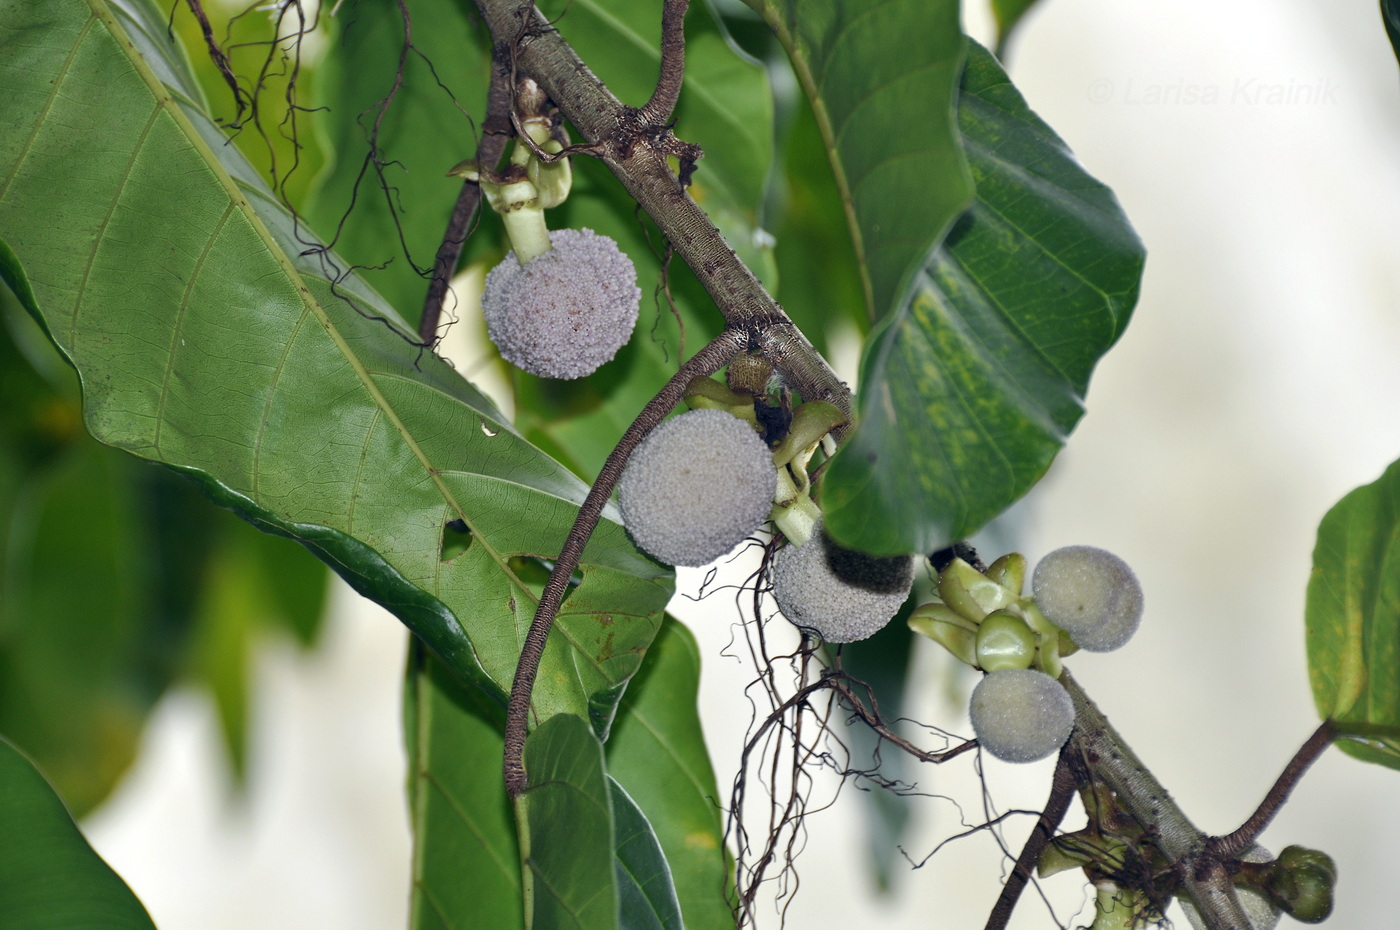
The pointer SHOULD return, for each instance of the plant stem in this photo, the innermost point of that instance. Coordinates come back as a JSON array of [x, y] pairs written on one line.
[[668, 83], [1112, 761], [705, 362], [1236, 842], [488, 154]]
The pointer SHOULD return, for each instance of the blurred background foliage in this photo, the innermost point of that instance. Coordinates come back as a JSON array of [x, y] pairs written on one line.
[[118, 578]]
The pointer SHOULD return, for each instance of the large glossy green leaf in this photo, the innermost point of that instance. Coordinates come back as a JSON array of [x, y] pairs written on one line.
[[971, 389], [466, 872], [112, 569], [105, 560], [565, 823], [645, 894], [209, 336], [50, 878], [1353, 615], [882, 80], [657, 751], [466, 863]]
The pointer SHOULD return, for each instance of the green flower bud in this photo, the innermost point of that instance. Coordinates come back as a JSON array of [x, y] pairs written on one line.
[[971, 593], [1004, 641], [1009, 571], [949, 629], [1302, 884]]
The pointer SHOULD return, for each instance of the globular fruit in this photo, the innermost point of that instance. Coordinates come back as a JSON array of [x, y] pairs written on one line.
[[1020, 714], [841, 594], [1091, 594], [565, 312], [696, 487]]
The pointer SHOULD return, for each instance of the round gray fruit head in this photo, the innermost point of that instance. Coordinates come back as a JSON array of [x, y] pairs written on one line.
[[841, 594], [1021, 714], [696, 487], [1091, 594], [566, 312]]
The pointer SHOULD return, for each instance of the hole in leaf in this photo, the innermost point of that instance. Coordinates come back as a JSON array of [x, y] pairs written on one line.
[[488, 430], [534, 572], [456, 539]]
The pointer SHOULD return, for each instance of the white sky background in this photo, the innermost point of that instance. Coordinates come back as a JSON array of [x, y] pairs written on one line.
[[1258, 383]]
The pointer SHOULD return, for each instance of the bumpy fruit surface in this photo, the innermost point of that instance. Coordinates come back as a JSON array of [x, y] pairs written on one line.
[[841, 594], [1021, 715], [1091, 594], [696, 487], [567, 311]]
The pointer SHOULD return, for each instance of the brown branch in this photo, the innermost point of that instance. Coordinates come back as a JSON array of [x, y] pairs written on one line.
[[668, 83], [1140, 794], [705, 362], [1061, 793], [1237, 842], [489, 150]]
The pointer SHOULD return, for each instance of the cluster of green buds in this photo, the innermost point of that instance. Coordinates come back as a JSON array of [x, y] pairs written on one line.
[[985, 620], [1083, 598], [529, 185]]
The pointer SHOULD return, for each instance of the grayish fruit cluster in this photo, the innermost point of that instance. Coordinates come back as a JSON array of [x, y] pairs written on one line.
[[1091, 594], [696, 487], [567, 311], [841, 594], [1021, 715]]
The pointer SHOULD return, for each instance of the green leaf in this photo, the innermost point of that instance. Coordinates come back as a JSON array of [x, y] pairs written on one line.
[[820, 279], [226, 619], [1008, 15], [657, 751], [466, 862], [294, 584], [247, 582], [972, 388], [646, 895], [84, 663], [1353, 615], [208, 338], [882, 80], [565, 823], [50, 878]]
